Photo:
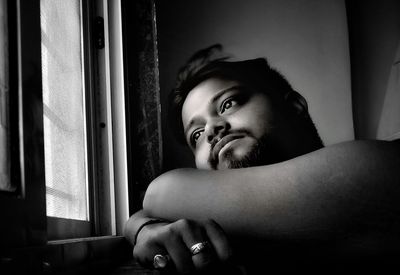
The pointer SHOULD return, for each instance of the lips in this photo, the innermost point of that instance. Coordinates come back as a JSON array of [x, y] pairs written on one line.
[[222, 142]]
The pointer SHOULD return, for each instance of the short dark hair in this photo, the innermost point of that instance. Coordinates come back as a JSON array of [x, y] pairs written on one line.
[[213, 62]]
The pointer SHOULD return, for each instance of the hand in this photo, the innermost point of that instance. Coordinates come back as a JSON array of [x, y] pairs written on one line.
[[175, 239]]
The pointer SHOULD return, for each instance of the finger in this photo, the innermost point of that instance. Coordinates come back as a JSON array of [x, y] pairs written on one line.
[[148, 245], [144, 254], [193, 233], [178, 252], [219, 240]]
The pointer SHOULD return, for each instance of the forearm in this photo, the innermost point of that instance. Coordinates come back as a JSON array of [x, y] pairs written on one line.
[[311, 196]]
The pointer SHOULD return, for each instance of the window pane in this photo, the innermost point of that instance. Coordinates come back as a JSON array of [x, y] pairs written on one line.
[[5, 184], [63, 109]]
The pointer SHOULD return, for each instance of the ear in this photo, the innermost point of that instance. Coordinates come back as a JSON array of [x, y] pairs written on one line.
[[296, 103]]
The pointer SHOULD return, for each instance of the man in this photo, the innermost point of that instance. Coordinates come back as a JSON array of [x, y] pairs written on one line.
[[287, 189]]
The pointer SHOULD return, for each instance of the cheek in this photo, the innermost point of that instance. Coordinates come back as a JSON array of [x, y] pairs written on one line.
[[258, 115], [253, 120], [262, 123]]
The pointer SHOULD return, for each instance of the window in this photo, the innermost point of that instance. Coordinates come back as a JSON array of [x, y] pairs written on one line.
[[64, 110], [84, 124], [72, 95], [60, 129]]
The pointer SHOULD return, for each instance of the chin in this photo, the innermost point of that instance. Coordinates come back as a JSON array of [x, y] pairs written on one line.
[[239, 158]]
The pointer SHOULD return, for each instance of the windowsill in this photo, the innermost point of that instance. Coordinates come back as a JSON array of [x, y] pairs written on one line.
[[104, 255], [83, 240]]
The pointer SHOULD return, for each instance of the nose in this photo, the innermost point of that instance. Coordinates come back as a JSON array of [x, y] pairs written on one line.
[[215, 127]]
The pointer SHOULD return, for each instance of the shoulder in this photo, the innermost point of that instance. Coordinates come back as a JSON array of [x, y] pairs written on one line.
[[367, 147]]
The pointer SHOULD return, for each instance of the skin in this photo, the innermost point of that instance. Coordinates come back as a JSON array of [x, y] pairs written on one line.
[[332, 193], [175, 239], [242, 119], [218, 109], [311, 196]]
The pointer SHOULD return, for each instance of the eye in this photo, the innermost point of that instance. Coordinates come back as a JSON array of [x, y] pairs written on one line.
[[195, 136], [227, 104]]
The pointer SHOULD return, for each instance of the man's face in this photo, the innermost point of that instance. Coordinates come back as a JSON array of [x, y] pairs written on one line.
[[226, 123]]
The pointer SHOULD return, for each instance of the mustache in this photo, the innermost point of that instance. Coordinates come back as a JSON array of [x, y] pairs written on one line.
[[213, 157], [217, 138]]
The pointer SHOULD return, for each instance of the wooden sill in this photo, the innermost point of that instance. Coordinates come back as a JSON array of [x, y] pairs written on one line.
[[100, 255]]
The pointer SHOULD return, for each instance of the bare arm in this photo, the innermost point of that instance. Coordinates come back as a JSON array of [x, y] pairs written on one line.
[[175, 239], [133, 224], [333, 189]]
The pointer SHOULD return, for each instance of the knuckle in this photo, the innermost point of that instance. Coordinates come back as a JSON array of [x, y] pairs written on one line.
[[168, 232], [168, 235], [210, 223], [184, 224]]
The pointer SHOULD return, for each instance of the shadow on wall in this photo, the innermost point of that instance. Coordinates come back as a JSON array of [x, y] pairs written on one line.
[[374, 39], [389, 123]]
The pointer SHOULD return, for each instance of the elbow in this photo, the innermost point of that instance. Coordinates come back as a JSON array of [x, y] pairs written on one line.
[[154, 193], [150, 196], [157, 192], [160, 193]]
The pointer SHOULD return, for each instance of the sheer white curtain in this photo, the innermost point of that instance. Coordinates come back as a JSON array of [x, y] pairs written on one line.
[[5, 184], [63, 108]]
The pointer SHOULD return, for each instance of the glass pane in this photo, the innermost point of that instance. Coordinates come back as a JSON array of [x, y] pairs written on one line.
[[63, 109], [5, 184]]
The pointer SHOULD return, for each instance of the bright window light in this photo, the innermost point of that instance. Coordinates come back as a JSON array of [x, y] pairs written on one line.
[[64, 109]]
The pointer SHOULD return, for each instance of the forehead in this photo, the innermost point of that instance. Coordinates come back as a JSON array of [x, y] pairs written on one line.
[[202, 95]]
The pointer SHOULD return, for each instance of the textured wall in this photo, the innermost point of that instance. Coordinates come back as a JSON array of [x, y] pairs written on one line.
[[145, 151]]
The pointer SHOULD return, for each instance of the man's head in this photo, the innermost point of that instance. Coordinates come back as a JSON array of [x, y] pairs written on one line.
[[239, 114]]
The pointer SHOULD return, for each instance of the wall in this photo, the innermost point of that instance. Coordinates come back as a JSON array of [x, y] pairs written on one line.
[[375, 54], [306, 40]]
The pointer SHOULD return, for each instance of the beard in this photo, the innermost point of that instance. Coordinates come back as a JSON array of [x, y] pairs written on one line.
[[265, 151]]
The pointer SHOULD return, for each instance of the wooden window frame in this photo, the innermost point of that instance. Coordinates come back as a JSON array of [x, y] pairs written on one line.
[[24, 240], [26, 215], [63, 228]]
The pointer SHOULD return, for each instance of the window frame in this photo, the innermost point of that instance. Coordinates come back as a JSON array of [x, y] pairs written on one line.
[[24, 239], [63, 228], [26, 223], [105, 120]]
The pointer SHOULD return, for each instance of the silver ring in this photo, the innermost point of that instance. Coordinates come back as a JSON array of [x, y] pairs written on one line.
[[160, 261], [198, 247]]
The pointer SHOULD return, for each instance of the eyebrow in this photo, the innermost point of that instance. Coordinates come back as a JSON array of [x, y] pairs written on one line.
[[212, 100]]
